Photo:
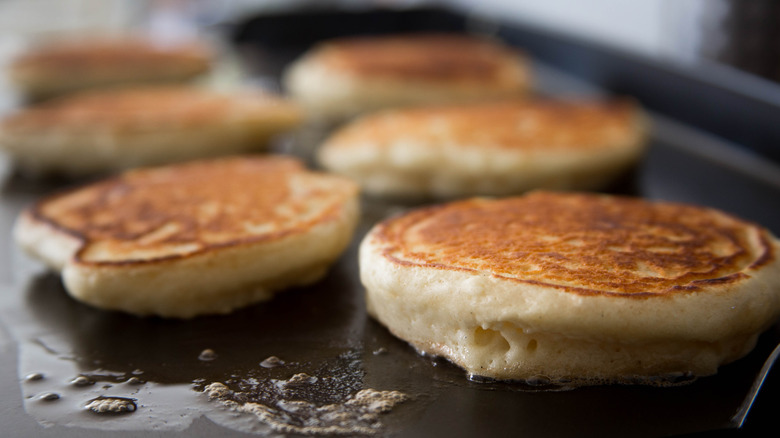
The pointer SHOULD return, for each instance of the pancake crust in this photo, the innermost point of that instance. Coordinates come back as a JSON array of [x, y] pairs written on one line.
[[346, 76], [493, 148], [427, 57], [59, 67], [201, 237], [582, 244], [108, 130], [574, 287]]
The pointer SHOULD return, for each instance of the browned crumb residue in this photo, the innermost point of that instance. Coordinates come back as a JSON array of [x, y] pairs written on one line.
[[590, 244], [424, 56], [359, 414], [511, 124], [194, 207]]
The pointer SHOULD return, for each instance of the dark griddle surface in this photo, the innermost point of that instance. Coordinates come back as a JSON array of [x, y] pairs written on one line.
[[323, 329]]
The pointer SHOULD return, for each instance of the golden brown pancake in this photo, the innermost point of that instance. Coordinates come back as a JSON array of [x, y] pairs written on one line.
[[201, 237], [574, 287], [489, 148], [59, 67], [426, 57], [108, 130], [350, 75]]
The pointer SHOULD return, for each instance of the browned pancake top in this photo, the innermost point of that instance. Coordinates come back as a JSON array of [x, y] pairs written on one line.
[[172, 211], [147, 108], [110, 55], [587, 244], [512, 124], [427, 57]]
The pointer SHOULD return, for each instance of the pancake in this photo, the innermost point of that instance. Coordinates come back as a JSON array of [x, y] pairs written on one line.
[[574, 289], [491, 148], [196, 238], [343, 77], [57, 67], [109, 130]]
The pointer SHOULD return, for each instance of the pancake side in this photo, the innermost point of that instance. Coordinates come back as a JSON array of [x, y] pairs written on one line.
[[103, 131], [574, 288], [347, 76], [59, 67], [493, 148], [202, 237]]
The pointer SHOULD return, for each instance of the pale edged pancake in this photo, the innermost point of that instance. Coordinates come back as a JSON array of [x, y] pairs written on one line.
[[103, 131], [196, 238], [343, 77], [55, 67], [574, 288], [489, 148]]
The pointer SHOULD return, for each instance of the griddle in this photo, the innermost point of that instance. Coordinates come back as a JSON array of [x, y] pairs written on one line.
[[323, 329]]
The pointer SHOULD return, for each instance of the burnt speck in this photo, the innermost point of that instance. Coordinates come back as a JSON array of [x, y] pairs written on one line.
[[49, 396], [300, 379], [82, 381], [271, 362], [207, 355]]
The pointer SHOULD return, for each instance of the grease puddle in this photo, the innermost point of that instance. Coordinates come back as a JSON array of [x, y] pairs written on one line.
[[274, 368]]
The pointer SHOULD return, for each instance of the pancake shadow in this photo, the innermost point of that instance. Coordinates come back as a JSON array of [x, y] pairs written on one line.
[[302, 325], [17, 184], [627, 183]]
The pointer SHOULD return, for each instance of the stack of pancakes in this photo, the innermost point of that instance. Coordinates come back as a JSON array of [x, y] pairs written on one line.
[[570, 288]]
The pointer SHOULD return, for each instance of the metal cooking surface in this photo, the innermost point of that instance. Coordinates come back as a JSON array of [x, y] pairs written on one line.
[[323, 331]]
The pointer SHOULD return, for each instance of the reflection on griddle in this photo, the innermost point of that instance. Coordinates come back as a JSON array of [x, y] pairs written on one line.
[[78, 358]]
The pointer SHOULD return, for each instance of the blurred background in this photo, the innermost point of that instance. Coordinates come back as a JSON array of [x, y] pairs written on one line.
[[728, 50], [740, 34]]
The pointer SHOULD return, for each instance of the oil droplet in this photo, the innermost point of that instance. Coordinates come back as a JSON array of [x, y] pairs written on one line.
[[50, 396], [33, 377], [479, 379], [134, 381], [380, 350], [538, 381], [207, 355], [111, 405], [82, 381], [271, 362]]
